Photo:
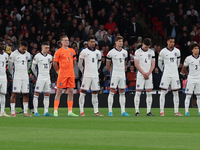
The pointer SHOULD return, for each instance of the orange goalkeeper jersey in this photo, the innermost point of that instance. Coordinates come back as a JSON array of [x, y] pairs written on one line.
[[65, 58]]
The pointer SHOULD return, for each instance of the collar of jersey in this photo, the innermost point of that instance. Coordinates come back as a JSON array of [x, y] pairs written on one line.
[[194, 57], [43, 54], [22, 53], [169, 49], [143, 50], [117, 50], [91, 49]]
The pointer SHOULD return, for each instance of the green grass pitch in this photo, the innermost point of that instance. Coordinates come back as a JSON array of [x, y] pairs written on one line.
[[99, 133]]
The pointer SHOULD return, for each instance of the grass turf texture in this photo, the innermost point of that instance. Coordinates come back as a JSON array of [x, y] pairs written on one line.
[[92, 132]]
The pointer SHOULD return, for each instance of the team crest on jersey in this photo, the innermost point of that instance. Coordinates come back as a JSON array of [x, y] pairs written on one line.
[[175, 54], [123, 55], [112, 84], [26, 57], [60, 84], [5, 58], [83, 85], [138, 85], [187, 90], [97, 55], [49, 60], [71, 53], [149, 56], [37, 87], [162, 84], [15, 88]]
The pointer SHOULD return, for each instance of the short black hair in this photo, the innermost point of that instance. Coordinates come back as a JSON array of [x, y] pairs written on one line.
[[193, 46], [24, 43], [90, 38], [147, 41], [170, 38], [45, 43]]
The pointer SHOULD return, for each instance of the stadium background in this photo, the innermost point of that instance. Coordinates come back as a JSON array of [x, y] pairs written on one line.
[[36, 21]]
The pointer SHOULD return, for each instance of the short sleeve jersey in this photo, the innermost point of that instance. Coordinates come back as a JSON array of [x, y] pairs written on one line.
[[3, 60], [118, 59], [194, 67], [91, 58], [20, 64], [65, 59], [170, 58], [144, 58], [43, 64]]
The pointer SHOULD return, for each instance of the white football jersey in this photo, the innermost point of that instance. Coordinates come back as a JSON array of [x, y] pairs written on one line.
[[118, 59], [144, 58], [194, 67], [170, 59], [91, 59], [3, 60], [43, 65], [20, 61]]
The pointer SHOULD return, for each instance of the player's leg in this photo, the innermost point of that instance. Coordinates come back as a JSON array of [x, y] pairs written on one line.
[[84, 87], [70, 89], [113, 86], [149, 86], [164, 84], [175, 85], [139, 87], [47, 88], [35, 103], [3, 91], [25, 92], [95, 87], [190, 87], [57, 100], [16, 88], [122, 98], [197, 92]]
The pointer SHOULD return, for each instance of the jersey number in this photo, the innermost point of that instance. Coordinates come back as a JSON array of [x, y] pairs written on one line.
[[22, 62], [145, 60], [171, 59], [45, 66], [92, 60], [120, 60], [196, 67], [2, 64]]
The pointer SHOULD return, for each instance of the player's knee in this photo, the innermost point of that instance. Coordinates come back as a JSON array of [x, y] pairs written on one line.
[[94, 92], [70, 91], [46, 94]]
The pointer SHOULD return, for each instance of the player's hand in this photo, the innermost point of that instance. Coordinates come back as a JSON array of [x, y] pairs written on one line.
[[30, 76]]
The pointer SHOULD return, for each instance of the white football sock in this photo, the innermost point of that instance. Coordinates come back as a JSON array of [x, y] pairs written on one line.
[[35, 103], [176, 101], [162, 100], [81, 101], [149, 101], [122, 101], [2, 100], [187, 103], [95, 102], [198, 102], [110, 101], [137, 101], [12, 105], [46, 104], [25, 104]]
